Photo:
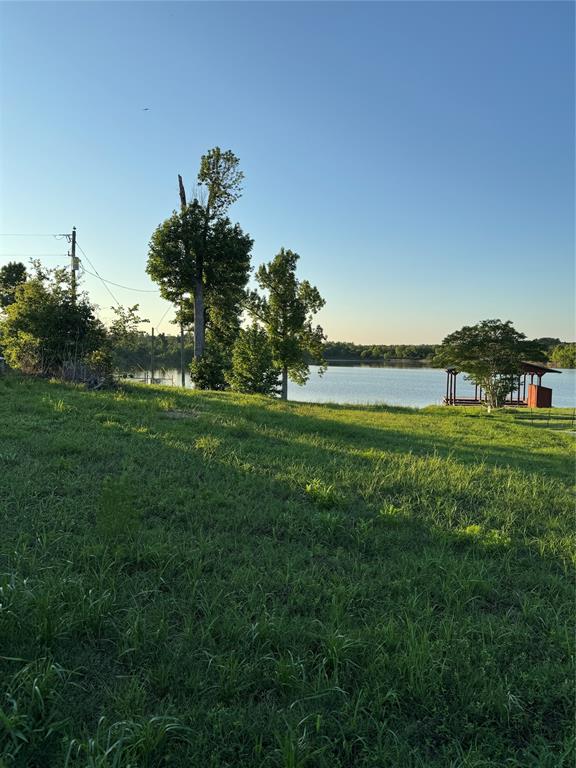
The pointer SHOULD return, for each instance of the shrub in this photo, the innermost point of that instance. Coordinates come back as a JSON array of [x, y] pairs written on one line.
[[253, 368]]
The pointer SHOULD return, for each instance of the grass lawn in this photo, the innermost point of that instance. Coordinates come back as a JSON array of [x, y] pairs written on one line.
[[203, 579]]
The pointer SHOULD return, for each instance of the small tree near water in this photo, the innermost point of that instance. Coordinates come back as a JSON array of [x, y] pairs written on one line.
[[253, 369], [287, 313], [491, 354]]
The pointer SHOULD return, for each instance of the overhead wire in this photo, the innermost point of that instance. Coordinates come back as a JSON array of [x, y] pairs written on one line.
[[32, 255], [118, 285], [83, 252], [105, 283], [35, 234], [168, 308]]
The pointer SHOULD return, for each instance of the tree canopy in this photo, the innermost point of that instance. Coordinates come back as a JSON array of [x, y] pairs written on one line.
[[564, 355], [286, 311], [44, 328], [198, 252], [12, 275], [253, 370]]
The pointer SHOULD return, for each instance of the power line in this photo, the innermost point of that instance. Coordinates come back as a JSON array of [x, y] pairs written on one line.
[[104, 283], [168, 308], [97, 275], [32, 255], [118, 285], [35, 234]]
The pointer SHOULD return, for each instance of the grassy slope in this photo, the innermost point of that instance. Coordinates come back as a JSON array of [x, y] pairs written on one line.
[[217, 580]]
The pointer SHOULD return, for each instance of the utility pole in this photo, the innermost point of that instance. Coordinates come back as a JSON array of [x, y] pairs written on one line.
[[182, 208], [73, 264], [182, 354], [152, 360]]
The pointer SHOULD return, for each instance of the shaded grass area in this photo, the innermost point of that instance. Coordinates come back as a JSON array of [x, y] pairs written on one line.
[[217, 580]]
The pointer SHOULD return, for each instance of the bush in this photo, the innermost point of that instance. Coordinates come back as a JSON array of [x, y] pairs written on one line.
[[253, 368], [45, 331], [209, 371]]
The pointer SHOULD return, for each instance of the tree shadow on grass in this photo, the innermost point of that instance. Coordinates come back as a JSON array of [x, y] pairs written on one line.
[[532, 457]]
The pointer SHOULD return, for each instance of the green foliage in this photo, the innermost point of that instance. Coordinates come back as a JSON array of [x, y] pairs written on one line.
[[12, 275], [201, 261], [253, 370], [287, 311], [323, 496], [30, 726], [564, 355], [345, 350], [173, 252], [126, 339], [126, 324], [44, 330], [127, 743], [491, 354], [135, 352], [209, 371], [221, 178]]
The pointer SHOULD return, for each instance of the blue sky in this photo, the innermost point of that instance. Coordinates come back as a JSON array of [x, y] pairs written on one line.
[[418, 155]]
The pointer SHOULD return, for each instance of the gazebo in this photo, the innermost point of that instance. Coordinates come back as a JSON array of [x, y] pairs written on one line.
[[524, 394]]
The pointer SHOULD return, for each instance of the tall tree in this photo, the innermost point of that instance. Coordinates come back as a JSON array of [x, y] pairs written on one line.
[[287, 312], [491, 354], [198, 251], [12, 275]]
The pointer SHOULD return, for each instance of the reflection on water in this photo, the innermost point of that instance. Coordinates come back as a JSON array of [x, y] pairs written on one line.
[[399, 384]]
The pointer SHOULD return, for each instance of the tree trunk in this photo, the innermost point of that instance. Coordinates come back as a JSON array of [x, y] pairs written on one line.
[[284, 392], [182, 193], [198, 317]]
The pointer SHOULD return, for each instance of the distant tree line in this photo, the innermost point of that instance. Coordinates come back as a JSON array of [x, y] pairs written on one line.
[[167, 352], [138, 351], [345, 350], [562, 354]]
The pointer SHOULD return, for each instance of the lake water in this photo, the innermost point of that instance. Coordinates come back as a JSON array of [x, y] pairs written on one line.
[[415, 386]]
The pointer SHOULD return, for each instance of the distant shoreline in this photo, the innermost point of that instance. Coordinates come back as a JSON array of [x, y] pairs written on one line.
[[379, 361]]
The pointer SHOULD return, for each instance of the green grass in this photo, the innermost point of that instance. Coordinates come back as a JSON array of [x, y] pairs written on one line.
[[202, 579]]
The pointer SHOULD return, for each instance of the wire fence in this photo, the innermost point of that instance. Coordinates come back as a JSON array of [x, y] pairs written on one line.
[[78, 362]]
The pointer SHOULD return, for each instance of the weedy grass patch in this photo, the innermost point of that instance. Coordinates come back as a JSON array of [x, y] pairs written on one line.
[[270, 584]]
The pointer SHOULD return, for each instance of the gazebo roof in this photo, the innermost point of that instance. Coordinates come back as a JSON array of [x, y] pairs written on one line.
[[527, 365], [537, 368]]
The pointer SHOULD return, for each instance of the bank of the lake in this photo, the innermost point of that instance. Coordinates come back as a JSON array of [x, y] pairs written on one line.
[[192, 578]]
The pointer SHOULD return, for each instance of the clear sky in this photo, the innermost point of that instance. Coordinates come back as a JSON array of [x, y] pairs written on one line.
[[419, 156]]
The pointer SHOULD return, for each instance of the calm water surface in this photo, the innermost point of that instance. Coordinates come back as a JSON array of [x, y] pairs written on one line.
[[410, 386], [416, 387]]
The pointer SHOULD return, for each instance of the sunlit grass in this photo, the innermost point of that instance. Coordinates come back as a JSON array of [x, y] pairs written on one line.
[[218, 580]]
